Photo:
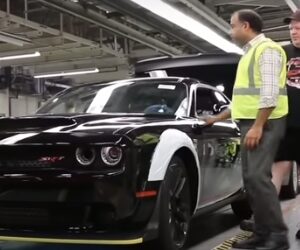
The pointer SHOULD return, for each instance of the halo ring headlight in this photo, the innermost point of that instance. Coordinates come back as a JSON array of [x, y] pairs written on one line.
[[111, 156], [85, 156]]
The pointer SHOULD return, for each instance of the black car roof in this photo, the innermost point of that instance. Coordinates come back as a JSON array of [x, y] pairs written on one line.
[[186, 61], [186, 80], [150, 79]]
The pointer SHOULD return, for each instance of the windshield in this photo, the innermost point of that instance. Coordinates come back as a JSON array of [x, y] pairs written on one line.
[[142, 97]]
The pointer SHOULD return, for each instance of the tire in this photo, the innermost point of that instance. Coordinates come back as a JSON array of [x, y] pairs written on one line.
[[242, 209], [175, 207], [291, 190]]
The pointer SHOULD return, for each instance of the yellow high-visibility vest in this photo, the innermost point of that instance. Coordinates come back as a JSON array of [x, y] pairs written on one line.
[[248, 82]]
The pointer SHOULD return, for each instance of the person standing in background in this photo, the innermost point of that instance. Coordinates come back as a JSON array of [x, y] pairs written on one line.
[[288, 150]]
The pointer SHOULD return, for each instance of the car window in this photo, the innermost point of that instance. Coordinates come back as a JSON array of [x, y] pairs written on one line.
[[143, 97], [210, 102]]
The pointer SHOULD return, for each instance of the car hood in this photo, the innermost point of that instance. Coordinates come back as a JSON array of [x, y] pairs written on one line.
[[78, 128]]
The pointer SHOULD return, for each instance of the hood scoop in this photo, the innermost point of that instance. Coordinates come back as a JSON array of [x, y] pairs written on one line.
[[33, 123]]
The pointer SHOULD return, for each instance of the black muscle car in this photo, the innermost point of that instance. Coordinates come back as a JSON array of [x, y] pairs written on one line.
[[119, 163]]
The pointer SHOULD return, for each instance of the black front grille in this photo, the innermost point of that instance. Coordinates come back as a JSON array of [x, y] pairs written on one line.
[[25, 164], [60, 217], [22, 215], [34, 157], [39, 217]]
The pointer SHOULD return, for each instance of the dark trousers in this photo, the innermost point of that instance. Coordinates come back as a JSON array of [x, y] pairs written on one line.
[[257, 175]]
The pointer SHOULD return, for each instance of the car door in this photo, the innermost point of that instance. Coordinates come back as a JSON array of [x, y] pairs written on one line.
[[218, 148]]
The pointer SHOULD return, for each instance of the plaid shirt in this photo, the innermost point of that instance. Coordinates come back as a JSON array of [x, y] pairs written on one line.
[[270, 64]]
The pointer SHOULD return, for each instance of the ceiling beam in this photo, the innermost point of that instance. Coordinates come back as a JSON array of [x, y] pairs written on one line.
[[266, 3], [143, 54], [101, 63], [279, 35], [206, 13], [44, 50], [275, 21], [40, 44], [130, 9], [55, 32], [75, 9], [65, 54]]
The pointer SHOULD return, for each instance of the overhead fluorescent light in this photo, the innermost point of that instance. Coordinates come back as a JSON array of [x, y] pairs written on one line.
[[184, 21], [13, 57], [13, 39], [67, 73]]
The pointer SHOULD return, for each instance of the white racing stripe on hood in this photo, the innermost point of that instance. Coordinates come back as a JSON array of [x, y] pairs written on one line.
[[16, 138]]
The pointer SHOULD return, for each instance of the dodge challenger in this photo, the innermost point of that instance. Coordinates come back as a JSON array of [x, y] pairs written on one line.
[[119, 163]]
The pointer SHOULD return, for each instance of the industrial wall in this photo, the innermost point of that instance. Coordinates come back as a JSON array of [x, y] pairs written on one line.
[[23, 105]]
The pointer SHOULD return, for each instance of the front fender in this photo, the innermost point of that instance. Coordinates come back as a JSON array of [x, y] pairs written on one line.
[[171, 141]]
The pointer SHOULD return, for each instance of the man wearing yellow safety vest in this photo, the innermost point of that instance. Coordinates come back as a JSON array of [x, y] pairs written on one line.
[[260, 105]]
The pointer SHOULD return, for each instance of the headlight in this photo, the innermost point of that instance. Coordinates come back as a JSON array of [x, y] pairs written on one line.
[[85, 156], [111, 156]]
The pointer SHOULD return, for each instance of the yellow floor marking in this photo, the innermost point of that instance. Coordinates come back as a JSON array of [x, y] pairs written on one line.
[[72, 241], [227, 244]]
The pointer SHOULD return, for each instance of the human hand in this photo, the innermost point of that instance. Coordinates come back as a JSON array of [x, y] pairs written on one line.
[[253, 137], [210, 120]]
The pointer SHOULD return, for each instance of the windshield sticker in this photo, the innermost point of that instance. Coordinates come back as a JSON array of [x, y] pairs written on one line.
[[170, 87]]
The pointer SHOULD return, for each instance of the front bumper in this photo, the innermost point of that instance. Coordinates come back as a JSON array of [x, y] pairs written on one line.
[[82, 204], [77, 226], [60, 204]]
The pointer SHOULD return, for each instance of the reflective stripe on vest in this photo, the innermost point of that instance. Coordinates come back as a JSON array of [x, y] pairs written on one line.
[[254, 91]]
